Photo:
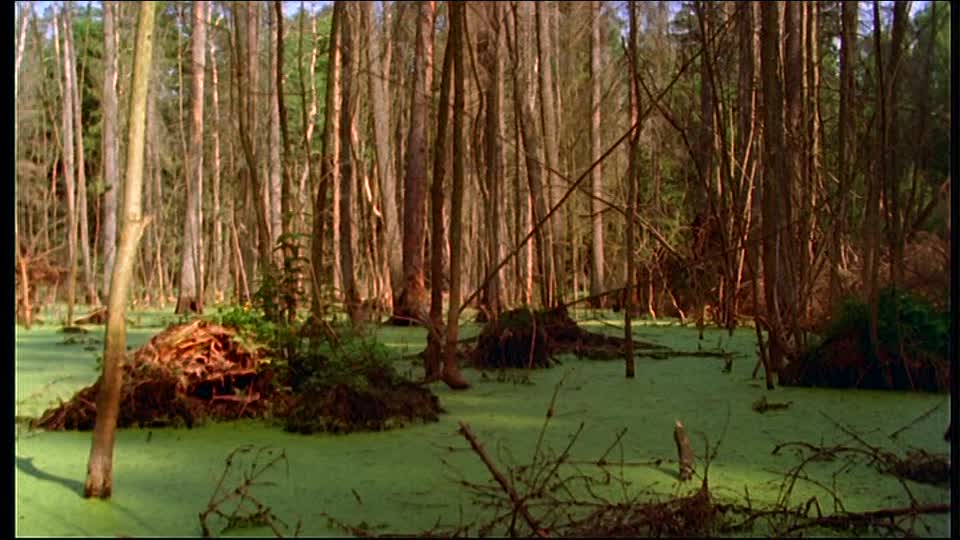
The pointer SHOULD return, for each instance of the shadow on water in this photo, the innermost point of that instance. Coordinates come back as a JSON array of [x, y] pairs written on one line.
[[27, 467]]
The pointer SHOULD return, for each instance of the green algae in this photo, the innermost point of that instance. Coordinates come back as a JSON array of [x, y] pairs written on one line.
[[403, 480]]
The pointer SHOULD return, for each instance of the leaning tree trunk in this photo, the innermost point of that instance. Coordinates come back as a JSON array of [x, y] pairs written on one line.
[[100, 467], [189, 298]]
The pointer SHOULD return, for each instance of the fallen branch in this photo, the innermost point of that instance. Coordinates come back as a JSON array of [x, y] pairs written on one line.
[[502, 480]]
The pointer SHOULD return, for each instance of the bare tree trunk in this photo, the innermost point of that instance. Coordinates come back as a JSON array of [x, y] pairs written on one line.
[[524, 99], [110, 172], [351, 300], [774, 171], [378, 58], [412, 303], [219, 274], [82, 217], [275, 166], [68, 167], [189, 298], [548, 115], [596, 176], [100, 466], [436, 334], [451, 373], [846, 146], [632, 175], [328, 166], [489, 45]]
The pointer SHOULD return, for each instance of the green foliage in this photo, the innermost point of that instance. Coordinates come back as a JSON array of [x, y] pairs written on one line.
[[902, 318]]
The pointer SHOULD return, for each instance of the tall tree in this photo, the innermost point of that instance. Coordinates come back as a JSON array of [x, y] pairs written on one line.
[[412, 303], [351, 299], [189, 297], [100, 466], [378, 57], [110, 172], [451, 373], [328, 165], [632, 175], [846, 146], [489, 47], [596, 175], [545, 12], [68, 164]]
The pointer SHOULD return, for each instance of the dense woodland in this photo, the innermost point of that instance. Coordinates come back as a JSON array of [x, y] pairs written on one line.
[[719, 162]]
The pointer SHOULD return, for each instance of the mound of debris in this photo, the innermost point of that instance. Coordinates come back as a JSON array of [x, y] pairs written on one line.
[[521, 338], [201, 370], [183, 374]]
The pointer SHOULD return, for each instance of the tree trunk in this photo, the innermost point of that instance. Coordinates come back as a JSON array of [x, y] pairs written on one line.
[[189, 298], [100, 466], [412, 303], [110, 172], [548, 116], [219, 274], [435, 336], [451, 373], [632, 174], [351, 300], [524, 100], [275, 186], [596, 176], [68, 168], [328, 166], [378, 58], [774, 170], [846, 155], [81, 200], [489, 45]]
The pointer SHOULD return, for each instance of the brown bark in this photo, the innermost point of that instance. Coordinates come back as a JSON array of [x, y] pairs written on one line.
[[68, 167], [773, 172], [596, 176], [632, 175], [111, 173], [412, 305], [328, 169], [489, 46], [189, 297], [218, 275], [846, 155], [451, 372], [378, 57], [99, 481], [435, 337], [350, 297]]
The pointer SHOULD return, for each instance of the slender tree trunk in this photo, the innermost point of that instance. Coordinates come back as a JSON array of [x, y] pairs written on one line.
[[451, 373], [100, 466], [275, 165], [328, 166], [493, 100], [632, 174], [81, 207], [68, 168], [524, 100], [350, 297], [189, 298], [774, 171], [218, 275], [436, 335], [378, 58], [845, 134], [548, 115], [596, 176], [110, 172], [291, 251], [412, 305]]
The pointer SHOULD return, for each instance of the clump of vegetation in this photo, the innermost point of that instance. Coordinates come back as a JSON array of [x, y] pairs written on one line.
[[241, 364], [353, 385], [911, 353]]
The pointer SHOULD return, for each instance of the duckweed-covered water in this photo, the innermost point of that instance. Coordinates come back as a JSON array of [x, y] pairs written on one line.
[[403, 481]]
